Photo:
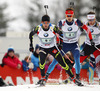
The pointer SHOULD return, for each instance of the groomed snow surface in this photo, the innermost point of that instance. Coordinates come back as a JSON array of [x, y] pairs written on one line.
[[63, 87]]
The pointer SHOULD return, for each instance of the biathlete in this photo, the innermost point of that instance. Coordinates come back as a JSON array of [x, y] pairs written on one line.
[[46, 33], [94, 26], [71, 30]]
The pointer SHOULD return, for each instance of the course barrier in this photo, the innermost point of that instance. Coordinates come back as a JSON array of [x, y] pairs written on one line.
[[20, 77]]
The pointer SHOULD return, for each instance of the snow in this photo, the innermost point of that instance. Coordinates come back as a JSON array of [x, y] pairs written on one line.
[[68, 87]]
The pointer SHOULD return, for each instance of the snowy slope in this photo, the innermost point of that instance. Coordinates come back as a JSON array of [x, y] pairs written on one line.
[[68, 87]]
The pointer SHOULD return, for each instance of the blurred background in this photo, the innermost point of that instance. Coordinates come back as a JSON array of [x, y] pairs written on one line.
[[19, 17]]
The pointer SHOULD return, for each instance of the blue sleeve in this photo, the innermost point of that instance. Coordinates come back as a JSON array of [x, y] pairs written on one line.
[[79, 23], [35, 68], [35, 60], [25, 67]]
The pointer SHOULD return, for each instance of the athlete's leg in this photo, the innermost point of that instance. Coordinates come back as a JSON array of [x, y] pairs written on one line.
[[65, 48], [54, 62], [52, 66], [96, 54], [63, 64], [42, 57], [61, 61], [97, 59], [87, 50], [76, 55]]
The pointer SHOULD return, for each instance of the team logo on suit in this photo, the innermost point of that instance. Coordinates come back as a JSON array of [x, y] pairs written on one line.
[[46, 35], [54, 51], [70, 29], [91, 30]]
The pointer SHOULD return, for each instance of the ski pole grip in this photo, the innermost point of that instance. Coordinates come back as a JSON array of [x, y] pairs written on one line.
[[46, 6]]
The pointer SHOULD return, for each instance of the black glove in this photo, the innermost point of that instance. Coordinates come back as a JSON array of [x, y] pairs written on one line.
[[31, 49], [92, 43], [59, 46]]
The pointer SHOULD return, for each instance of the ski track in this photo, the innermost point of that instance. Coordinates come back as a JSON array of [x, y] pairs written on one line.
[[63, 87]]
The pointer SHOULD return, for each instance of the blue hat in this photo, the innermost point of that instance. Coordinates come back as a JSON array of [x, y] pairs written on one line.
[[36, 47], [10, 49]]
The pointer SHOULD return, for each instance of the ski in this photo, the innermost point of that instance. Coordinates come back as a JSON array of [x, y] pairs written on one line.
[[36, 86]]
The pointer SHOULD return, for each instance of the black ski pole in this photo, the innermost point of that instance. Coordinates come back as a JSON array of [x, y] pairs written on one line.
[[46, 7]]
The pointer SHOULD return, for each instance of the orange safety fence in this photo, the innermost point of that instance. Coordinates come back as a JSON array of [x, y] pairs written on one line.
[[20, 77]]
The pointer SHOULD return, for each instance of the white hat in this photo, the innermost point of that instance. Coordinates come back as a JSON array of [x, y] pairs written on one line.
[[91, 16]]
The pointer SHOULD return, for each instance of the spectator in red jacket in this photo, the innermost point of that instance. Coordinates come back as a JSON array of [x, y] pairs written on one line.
[[11, 60]]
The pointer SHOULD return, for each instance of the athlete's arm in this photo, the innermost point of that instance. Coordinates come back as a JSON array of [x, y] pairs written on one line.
[[99, 25], [32, 33], [58, 31], [83, 26]]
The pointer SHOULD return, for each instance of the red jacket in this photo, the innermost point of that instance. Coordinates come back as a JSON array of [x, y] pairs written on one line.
[[12, 62]]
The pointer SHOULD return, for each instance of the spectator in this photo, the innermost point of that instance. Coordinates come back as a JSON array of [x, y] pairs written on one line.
[[34, 57], [85, 63], [17, 55], [27, 64], [92, 68], [11, 60]]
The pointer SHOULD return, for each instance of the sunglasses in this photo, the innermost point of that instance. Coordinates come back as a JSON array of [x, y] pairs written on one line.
[[45, 22], [91, 20], [69, 15]]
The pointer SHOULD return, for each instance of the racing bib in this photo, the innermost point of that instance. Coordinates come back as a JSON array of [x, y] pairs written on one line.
[[47, 40], [70, 34]]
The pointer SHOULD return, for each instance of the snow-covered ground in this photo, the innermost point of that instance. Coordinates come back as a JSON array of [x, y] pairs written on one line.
[[68, 87]]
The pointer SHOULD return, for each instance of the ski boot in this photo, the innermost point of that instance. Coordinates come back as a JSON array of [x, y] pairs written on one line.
[[41, 82], [46, 76], [67, 80], [77, 80], [38, 82]]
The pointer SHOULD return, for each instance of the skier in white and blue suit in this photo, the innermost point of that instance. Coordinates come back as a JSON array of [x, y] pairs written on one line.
[[72, 29]]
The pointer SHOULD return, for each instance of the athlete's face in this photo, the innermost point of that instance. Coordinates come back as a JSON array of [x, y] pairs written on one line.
[[92, 21], [45, 24], [69, 17]]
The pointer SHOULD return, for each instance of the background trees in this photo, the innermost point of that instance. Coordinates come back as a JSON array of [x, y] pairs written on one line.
[[23, 15]]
